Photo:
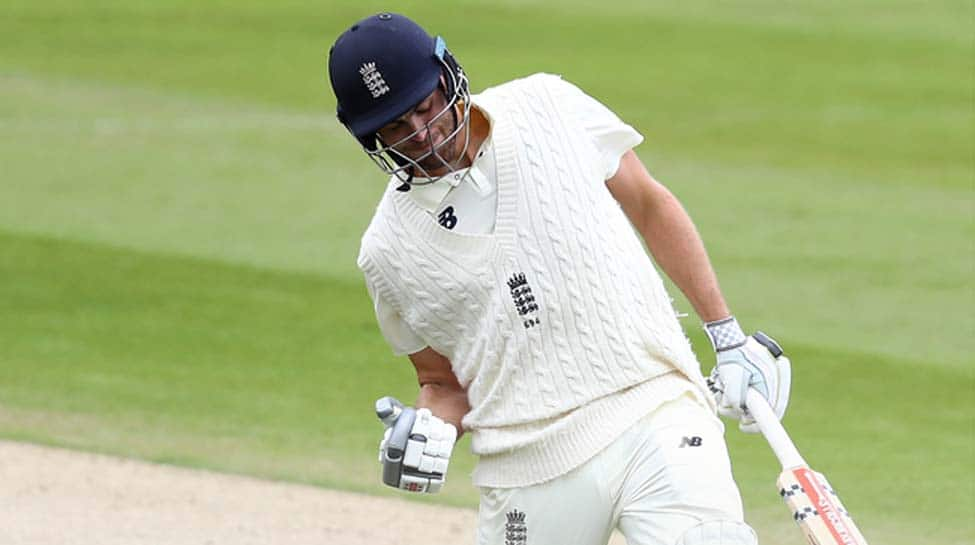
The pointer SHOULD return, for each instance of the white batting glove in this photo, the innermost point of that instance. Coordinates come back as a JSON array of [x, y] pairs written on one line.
[[416, 447], [747, 362]]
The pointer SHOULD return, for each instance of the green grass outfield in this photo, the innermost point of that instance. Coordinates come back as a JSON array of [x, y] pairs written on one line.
[[179, 218]]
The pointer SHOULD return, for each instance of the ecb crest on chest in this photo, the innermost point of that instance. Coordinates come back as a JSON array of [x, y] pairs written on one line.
[[521, 294]]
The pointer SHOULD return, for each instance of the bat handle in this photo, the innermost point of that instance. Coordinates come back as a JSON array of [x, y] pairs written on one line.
[[783, 447]]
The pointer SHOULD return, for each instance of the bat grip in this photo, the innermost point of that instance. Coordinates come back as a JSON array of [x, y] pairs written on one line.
[[783, 447]]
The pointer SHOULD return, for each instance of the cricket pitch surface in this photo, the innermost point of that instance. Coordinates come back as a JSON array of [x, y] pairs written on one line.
[[51, 496]]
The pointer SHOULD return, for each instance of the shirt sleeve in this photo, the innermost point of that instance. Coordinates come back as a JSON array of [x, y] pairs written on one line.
[[400, 337], [611, 136]]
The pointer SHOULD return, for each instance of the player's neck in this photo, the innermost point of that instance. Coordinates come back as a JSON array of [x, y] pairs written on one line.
[[477, 131], [479, 128]]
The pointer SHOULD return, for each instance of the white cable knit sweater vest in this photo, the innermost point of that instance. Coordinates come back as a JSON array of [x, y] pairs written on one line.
[[557, 323]]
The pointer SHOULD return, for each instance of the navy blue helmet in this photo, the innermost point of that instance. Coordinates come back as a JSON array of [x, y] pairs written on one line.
[[381, 68]]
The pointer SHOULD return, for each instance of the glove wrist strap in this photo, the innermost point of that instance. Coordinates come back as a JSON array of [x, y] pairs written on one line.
[[725, 334]]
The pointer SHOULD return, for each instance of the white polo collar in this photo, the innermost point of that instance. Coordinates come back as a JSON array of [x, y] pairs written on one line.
[[429, 196]]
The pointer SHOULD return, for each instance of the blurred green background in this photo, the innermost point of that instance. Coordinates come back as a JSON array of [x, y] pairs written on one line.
[[180, 215]]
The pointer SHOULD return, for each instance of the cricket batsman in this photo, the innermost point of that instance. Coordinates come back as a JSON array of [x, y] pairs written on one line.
[[505, 260]]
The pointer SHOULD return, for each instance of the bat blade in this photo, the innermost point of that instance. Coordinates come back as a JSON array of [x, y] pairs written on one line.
[[817, 508]]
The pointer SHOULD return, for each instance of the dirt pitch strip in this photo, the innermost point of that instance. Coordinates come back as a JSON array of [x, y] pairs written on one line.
[[52, 496]]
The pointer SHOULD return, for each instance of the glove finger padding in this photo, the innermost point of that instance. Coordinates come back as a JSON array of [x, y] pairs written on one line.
[[416, 448], [780, 377], [779, 398], [785, 385], [736, 376], [430, 445], [758, 364], [717, 388]]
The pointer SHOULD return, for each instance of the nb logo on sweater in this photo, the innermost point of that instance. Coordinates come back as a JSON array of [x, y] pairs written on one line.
[[691, 442], [447, 218], [524, 300]]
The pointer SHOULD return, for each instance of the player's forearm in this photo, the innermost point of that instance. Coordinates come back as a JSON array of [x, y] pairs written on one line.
[[447, 402], [677, 247], [670, 235]]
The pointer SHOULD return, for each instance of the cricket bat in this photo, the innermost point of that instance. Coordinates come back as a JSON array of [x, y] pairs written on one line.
[[815, 506]]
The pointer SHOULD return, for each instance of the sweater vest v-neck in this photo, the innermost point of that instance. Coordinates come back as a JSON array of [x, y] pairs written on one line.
[[557, 312]]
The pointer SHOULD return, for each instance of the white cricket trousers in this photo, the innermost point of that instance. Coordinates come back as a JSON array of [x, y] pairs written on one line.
[[665, 475]]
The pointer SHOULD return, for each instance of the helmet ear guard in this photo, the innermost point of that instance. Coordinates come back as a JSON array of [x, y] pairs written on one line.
[[453, 68]]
